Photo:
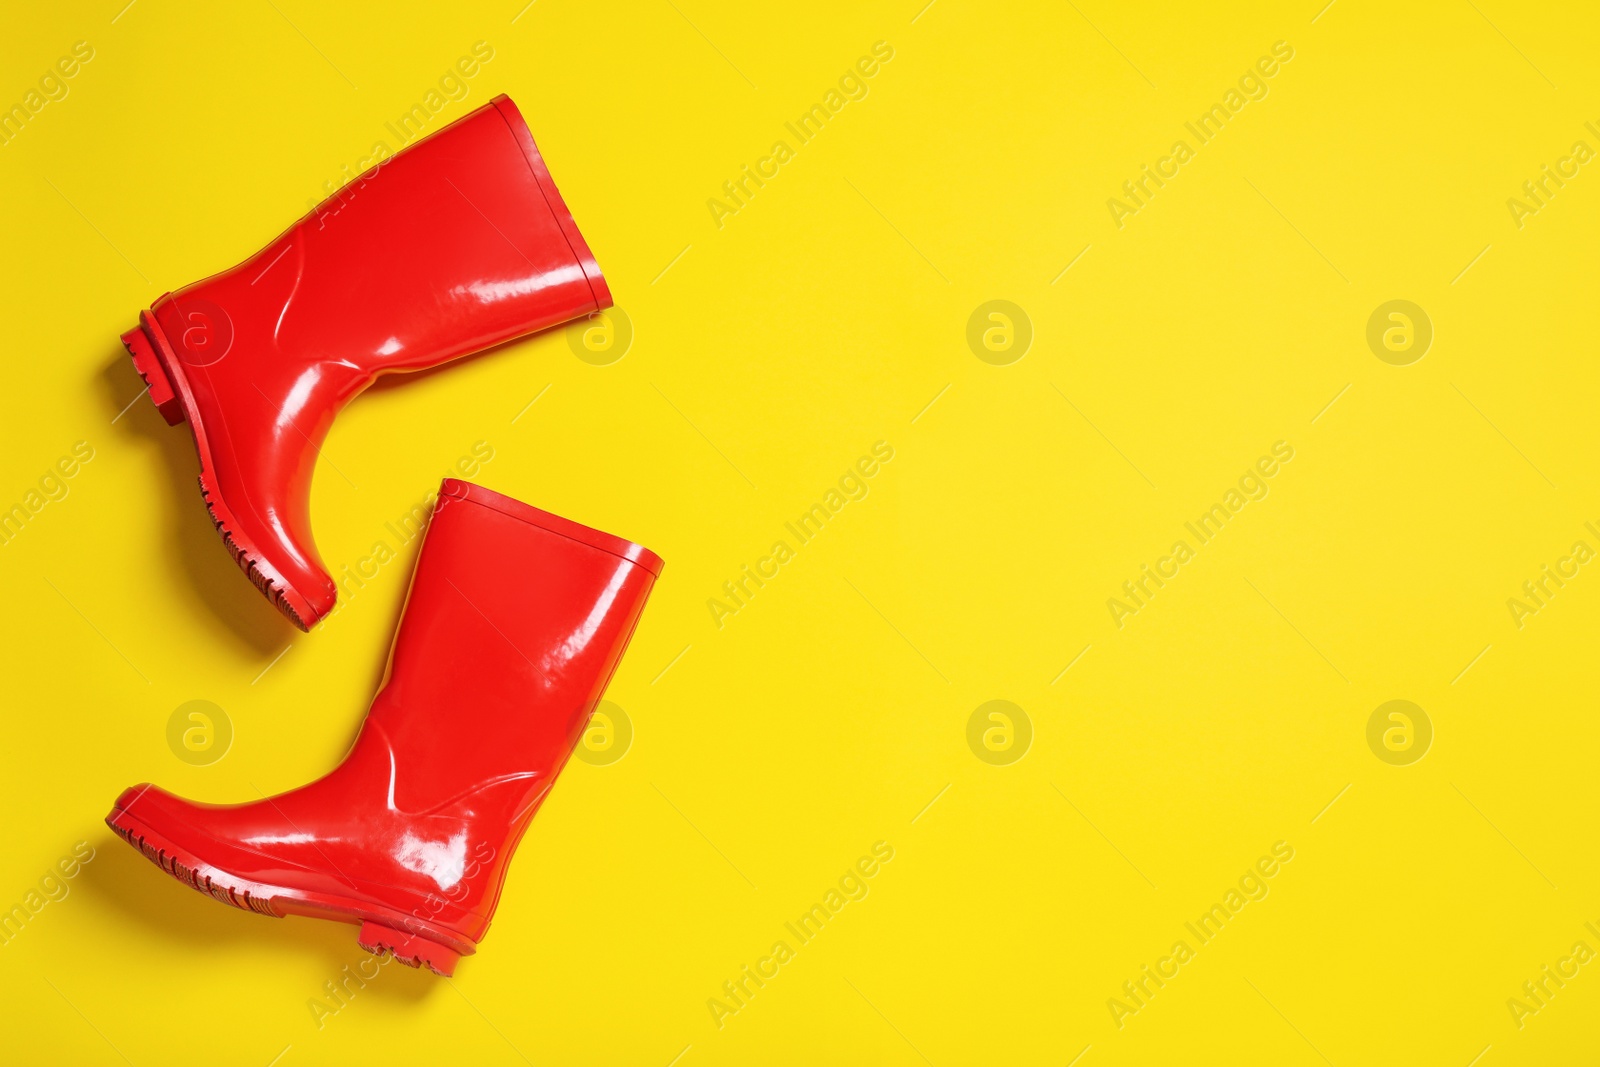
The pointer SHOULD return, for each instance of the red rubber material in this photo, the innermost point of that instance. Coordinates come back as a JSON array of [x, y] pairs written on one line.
[[459, 490], [458, 243], [558, 207], [515, 621]]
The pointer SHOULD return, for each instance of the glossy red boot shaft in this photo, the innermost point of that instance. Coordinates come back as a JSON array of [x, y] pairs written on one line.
[[458, 243], [515, 621]]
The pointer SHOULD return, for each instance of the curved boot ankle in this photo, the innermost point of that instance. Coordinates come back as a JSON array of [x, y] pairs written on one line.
[[458, 243], [514, 623]]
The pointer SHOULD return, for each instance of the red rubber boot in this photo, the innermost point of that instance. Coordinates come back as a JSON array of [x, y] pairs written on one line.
[[458, 243], [514, 624]]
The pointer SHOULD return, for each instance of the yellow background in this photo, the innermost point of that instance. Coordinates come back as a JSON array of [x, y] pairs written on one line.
[[769, 354]]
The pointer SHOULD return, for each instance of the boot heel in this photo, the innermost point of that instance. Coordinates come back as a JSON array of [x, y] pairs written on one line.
[[148, 364], [413, 950]]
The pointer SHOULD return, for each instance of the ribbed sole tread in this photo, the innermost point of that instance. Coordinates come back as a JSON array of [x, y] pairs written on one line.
[[189, 876], [247, 563]]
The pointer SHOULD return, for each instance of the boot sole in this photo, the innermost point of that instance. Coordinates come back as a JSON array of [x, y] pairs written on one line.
[[383, 930], [169, 390]]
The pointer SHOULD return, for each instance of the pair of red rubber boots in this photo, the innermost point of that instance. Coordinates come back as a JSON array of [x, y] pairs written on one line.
[[516, 618]]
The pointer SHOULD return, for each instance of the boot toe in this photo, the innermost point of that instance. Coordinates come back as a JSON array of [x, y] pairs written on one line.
[[145, 808], [291, 574]]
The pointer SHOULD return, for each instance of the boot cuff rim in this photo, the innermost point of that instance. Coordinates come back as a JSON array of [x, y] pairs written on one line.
[[581, 254], [516, 509]]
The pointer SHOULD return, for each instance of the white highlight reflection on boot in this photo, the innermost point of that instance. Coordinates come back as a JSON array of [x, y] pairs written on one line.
[[579, 639], [492, 292], [443, 861]]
